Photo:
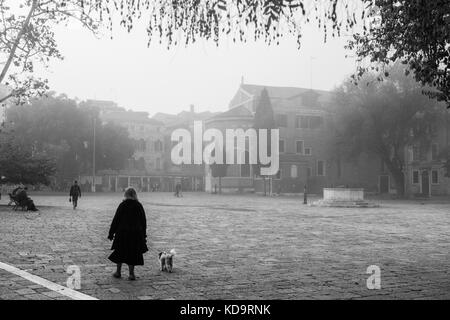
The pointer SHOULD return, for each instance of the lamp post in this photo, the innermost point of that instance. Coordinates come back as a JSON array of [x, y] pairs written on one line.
[[93, 157], [305, 195]]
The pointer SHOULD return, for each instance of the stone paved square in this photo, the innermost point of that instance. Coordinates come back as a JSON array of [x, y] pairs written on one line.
[[234, 247]]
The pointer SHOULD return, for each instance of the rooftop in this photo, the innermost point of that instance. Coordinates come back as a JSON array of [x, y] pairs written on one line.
[[280, 92], [290, 97]]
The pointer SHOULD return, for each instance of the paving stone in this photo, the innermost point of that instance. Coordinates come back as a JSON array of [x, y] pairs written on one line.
[[235, 246], [25, 291], [51, 294], [114, 290], [36, 297]]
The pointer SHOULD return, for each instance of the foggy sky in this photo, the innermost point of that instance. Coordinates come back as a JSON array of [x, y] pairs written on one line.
[[159, 80]]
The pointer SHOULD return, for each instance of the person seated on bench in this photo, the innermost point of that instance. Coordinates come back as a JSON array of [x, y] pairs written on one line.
[[13, 194], [23, 199]]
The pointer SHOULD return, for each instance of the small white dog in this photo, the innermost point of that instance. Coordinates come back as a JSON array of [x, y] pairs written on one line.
[[166, 260]]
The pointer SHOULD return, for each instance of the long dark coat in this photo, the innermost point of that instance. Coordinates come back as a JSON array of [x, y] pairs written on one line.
[[75, 191], [129, 229]]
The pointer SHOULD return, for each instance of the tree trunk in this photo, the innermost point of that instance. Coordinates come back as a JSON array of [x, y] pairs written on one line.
[[399, 181], [395, 166]]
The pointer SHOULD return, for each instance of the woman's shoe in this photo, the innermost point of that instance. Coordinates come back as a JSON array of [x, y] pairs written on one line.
[[131, 277], [117, 275]]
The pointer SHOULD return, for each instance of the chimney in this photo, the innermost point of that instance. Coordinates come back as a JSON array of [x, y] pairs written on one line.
[[192, 108]]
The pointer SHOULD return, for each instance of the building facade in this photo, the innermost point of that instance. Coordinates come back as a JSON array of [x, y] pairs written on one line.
[[151, 167], [425, 174], [144, 169], [148, 138], [239, 177], [190, 176], [302, 118]]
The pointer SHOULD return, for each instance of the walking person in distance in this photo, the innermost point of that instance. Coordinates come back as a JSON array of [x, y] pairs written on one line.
[[74, 194]]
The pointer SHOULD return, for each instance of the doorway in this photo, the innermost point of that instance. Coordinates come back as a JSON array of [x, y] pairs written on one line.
[[425, 183]]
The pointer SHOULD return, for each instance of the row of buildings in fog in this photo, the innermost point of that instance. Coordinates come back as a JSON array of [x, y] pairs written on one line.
[[305, 122]]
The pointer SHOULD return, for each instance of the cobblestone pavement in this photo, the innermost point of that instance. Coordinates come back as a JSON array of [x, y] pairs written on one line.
[[234, 247]]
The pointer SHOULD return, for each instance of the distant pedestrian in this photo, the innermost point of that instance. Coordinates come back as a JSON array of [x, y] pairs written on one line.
[[74, 194], [128, 232], [178, 192]]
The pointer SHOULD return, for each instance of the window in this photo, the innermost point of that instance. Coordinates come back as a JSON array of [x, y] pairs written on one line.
[[140, 145], [281, 120], [308, 122], [308, 172], [159, 145], [140, 164], [299, 147], [301, 122], [320, 168], [304, 123], [293, 171], [308, 151], [434, 177], [415, 177], [434, 152], [315, 122], [415, 153], [282, 147]]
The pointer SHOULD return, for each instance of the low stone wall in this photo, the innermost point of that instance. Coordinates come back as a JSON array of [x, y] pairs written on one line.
[[343, 194], [344, 198]]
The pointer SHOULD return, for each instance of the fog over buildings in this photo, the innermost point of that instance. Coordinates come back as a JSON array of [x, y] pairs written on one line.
[[156, 79]]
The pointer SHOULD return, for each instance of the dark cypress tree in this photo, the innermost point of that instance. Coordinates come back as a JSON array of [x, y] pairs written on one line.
[[264, 119]]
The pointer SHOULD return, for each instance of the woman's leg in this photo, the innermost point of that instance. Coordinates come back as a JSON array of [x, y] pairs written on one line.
[[131, 276], [118, 272]]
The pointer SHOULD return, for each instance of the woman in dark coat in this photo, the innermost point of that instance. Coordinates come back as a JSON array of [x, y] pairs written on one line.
[[129, 232]]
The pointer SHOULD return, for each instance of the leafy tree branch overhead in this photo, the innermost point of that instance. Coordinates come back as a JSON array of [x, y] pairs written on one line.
[[417, 33], [190, 20], [27, 26], [27, 38]]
